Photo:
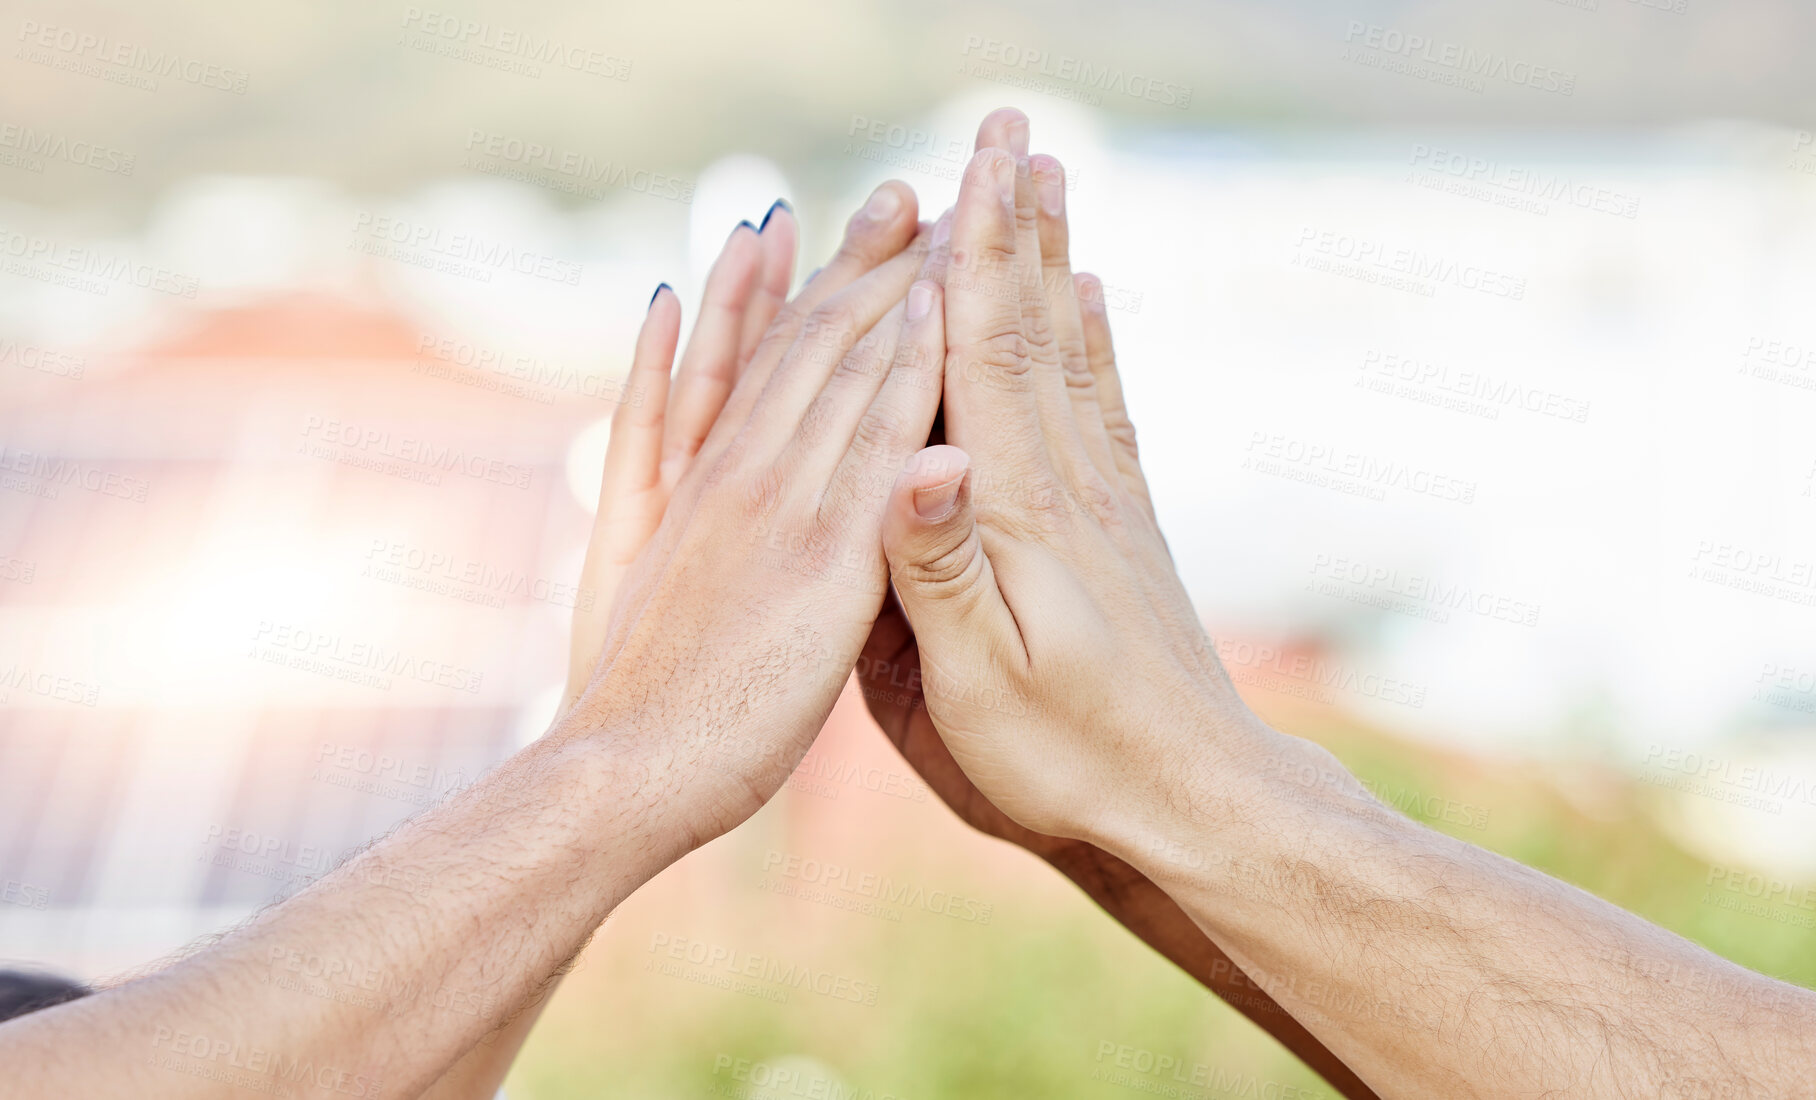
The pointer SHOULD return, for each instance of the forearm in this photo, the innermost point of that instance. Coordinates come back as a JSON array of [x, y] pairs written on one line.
[[1436, 968], [1145, 909], [480, 1072], [373, 981]]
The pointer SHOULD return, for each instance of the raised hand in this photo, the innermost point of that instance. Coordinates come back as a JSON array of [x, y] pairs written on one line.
[[741, 619], [890, 674], [657, 429]]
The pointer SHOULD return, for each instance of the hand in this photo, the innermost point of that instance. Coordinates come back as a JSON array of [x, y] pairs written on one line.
[[656, 431], [890, 677], [1057, 645], [741, 619]]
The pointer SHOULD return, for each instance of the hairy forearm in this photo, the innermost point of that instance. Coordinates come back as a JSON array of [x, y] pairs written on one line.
[[1146, 910], [375, 980], [1436, 968]]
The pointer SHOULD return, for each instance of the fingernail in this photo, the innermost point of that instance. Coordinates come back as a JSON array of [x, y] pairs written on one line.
[[810, 276], [1005, 178], [920, 300], [779, 204], [660, 287], [1051, 187], [936, 503], [744, 224], [1018, 137], [942, 231], [883, 204]]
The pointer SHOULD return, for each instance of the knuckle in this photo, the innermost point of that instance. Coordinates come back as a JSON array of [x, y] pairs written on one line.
[[941, 573], [998, 356], [1122, 432], [878, 436]]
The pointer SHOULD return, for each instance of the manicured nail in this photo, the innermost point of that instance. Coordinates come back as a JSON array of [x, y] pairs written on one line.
[[1050, 185], [883, 204], [920, 300], [779, 204], [744, 224], [1018, 137], [810, 275], [660, 287], [936, 503]]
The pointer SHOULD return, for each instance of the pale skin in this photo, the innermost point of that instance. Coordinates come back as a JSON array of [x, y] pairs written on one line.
[[480, 902], [1069, 679], [655, 439]]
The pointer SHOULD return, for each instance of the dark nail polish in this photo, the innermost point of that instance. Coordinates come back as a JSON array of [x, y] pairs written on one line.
[[779, 204], [745, 224], [660, 287]]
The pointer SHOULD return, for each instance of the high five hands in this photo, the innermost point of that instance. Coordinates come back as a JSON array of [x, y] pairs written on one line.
[[777, 517]]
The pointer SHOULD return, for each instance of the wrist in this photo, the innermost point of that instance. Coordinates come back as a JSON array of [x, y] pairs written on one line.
[[1234, 798]]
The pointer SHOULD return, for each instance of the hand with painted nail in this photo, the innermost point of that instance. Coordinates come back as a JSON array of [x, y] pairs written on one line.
[[742, 617], [658, 428]]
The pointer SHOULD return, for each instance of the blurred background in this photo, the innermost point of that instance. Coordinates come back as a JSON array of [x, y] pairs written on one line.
[[1469, 345]]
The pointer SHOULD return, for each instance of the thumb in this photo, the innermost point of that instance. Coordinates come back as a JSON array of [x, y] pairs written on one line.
[[936, 560]]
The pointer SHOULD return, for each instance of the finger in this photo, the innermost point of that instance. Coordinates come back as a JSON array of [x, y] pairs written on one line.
[[709, 366], [1040, 329], [881, 229], [779, 234], [633, 454], [1100, 354], [882, 429], [630, 503], [1062, 300], [989, 399], [940, 571], [844, 344]]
